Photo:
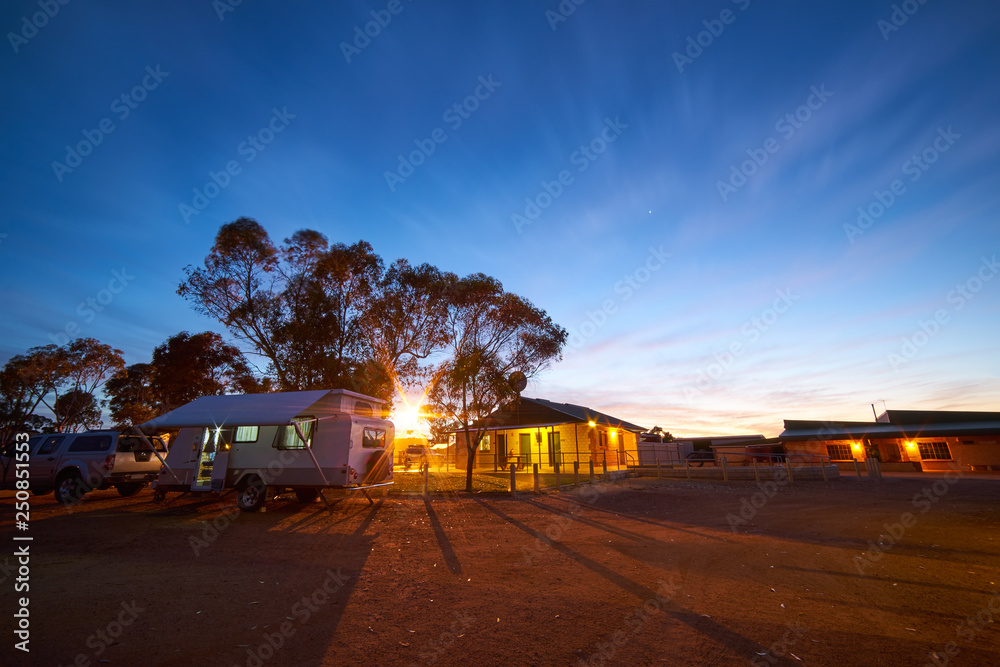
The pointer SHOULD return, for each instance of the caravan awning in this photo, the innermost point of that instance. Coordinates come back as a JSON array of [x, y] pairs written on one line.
[[239, 410]]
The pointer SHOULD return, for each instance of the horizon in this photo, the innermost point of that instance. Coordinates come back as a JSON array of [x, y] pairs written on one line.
[[741, 213]]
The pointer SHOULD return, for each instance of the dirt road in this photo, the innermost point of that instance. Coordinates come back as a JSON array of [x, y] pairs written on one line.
[[638, 573]]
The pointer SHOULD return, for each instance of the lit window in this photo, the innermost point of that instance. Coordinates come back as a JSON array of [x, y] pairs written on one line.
[[839, 452], [246, 434], [934, 451], [287, 438]]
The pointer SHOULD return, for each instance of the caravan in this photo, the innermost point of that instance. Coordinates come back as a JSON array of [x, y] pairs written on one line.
[[261, 444]]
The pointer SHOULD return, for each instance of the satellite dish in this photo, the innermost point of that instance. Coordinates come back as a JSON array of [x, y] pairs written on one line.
[[518, 381]]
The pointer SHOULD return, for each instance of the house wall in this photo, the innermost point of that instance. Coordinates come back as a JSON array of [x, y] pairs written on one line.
[[967, 453], [574, 445]]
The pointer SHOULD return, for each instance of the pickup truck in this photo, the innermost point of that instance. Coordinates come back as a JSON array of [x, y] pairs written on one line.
[[71, 464]]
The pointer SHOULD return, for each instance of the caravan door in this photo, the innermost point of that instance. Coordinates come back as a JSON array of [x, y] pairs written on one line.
[[211, 460]]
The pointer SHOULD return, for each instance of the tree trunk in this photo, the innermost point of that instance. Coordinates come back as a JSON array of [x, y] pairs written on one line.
[[470, 461]]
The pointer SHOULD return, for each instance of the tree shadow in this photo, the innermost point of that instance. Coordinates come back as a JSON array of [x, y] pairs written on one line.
[[450, 558]]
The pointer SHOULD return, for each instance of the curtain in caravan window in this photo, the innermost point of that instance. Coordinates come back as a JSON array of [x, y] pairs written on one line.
[[289, 439]]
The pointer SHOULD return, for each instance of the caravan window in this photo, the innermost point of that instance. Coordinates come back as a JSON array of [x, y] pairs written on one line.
[[246, 434], [287, 438], [364, 409], [374, 438]]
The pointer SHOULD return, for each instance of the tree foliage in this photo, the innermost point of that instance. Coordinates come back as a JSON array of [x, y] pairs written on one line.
[[183, 367], [77, 409], [64, 379], [129, 394], [323, 315]]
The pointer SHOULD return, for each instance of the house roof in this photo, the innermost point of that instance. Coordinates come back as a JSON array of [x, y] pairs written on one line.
[[937, 425], [243, 409], [540, 412]]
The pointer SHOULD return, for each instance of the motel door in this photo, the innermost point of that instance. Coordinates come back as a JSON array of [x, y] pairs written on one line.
[[502, 449], [525, 445], [555, 454]]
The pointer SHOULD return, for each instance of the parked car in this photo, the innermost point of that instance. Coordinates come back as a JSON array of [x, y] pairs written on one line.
[[72, 464]]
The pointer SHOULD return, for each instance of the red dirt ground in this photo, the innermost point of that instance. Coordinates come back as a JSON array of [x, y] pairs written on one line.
[[552, 579]]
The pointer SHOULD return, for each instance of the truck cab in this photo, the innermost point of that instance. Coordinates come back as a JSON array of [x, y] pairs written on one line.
[[72, 464]]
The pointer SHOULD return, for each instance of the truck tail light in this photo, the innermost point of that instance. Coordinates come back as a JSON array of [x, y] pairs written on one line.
[[109, 462], [163, 469]]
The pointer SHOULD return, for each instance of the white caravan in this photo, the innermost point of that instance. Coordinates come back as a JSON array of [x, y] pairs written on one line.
[[262, 444]]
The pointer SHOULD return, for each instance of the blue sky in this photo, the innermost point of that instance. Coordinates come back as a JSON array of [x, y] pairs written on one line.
[[692, 305]]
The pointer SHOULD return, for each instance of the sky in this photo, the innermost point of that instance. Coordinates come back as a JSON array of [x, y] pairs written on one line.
[[742, 212]]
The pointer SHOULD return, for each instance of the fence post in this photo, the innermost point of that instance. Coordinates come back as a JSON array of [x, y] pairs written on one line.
[[687, 468], [822, 466], [788, 467], [591, 471], [725, 469], [513, 483], [604, 470], [857, 469], [425, 467], [558, 478], [576, 473], [658, 469], [534, 471], [756, 473]]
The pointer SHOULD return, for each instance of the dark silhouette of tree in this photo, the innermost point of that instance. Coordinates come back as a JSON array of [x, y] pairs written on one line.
[[77, 409], [66, 374], [490, 334], [323, 315], [130, 397], [187, 366]]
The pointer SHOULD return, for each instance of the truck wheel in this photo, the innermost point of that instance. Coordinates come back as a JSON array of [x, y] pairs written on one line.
[[159, 495], [252, 496], [69, 487], [306, 495], [126, 489]]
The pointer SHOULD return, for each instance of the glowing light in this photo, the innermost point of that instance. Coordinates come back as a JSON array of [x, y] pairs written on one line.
[[856, 446], [911, 445], [613, 434], [592, 424]]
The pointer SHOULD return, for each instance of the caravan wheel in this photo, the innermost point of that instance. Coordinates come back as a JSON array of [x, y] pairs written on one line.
[[252, 496]]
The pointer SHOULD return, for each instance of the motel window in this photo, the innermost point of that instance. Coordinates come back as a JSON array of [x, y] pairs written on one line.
[[934, 451], [288, 439], [839, 452], [484, 444], [373, 438], [246, 434]]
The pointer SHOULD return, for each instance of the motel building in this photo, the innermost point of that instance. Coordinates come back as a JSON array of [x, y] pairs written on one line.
[[903, 440], [534, 430]]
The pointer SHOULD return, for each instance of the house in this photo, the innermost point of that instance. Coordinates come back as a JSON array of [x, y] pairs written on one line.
[[535, 430], [903, 440]]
